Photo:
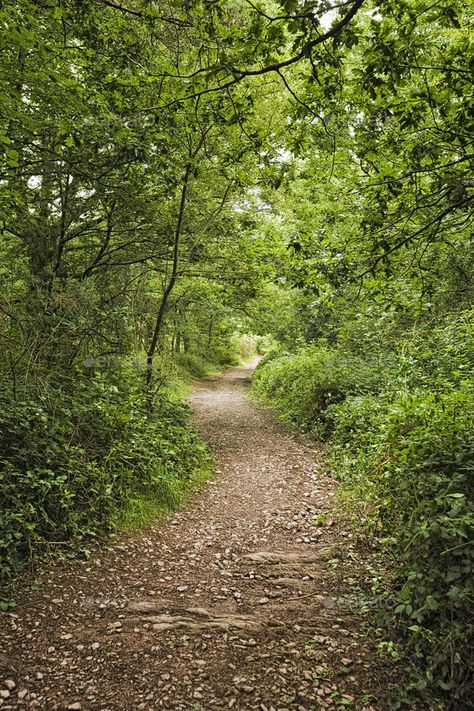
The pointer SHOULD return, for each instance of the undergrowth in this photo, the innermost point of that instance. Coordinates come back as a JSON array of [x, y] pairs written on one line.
[[399, 421], [85, 457]]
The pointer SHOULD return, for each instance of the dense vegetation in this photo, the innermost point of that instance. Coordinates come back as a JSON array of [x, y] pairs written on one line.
[[397, 412], [174, 175]]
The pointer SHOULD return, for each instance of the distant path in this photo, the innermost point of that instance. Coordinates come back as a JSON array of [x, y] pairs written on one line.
[[238, 602]]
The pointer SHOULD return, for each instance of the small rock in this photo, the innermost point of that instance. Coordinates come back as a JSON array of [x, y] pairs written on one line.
[[263, 601], [76, 706], [114, 625], [95, 646], [10, 684], [4, 693]]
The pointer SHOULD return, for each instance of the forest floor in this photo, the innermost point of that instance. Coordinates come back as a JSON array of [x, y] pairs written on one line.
[[238, 601]]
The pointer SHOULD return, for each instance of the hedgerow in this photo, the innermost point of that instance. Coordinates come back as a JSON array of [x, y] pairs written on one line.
[[400, 430], [72, 459]]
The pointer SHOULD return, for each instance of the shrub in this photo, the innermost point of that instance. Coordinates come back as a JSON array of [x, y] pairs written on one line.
[[194, 365], [400, 421], [411, 458], [71, 460], [304, 385]]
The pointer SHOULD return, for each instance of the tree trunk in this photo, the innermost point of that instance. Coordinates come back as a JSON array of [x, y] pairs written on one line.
[[171, 282], [175, 263]]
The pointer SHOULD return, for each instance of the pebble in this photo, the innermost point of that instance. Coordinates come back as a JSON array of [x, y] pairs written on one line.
[[10, 684]]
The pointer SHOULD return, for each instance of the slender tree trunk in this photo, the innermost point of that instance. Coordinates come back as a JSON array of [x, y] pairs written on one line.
[[209, 332], [171, 282], [175, 264]]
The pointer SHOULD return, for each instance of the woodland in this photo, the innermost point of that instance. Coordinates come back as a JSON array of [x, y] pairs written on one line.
[[185, 184]]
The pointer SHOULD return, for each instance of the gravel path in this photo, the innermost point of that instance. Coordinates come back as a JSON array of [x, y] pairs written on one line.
[[240, 601]]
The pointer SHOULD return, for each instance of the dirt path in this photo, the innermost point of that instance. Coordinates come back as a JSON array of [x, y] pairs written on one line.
[[240, 601]]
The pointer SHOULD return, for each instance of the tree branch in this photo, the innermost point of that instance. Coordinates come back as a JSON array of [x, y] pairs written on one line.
[[305, 51], [435, 221]]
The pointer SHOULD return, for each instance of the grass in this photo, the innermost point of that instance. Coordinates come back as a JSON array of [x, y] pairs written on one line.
[[144, 508], [140, 510]]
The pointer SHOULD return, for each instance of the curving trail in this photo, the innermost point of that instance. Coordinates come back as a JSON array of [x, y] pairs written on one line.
[[238, 602]]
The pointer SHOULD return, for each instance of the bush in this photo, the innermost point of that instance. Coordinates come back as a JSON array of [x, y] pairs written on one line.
[[411, 458], [438, 354], [304, 385], [194, 365], [71, 461], [399, 417]]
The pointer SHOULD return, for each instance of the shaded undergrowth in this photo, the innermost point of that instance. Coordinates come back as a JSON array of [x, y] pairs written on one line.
[[399, 422]]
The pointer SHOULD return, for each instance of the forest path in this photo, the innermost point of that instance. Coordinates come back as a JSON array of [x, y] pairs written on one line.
[[239, 601]]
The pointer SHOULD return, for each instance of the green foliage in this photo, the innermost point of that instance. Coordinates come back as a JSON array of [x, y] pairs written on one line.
[[72, 460], [409, 458], [119, 240], [401, 422], [194, 365], [154, 203], [305, 384]]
